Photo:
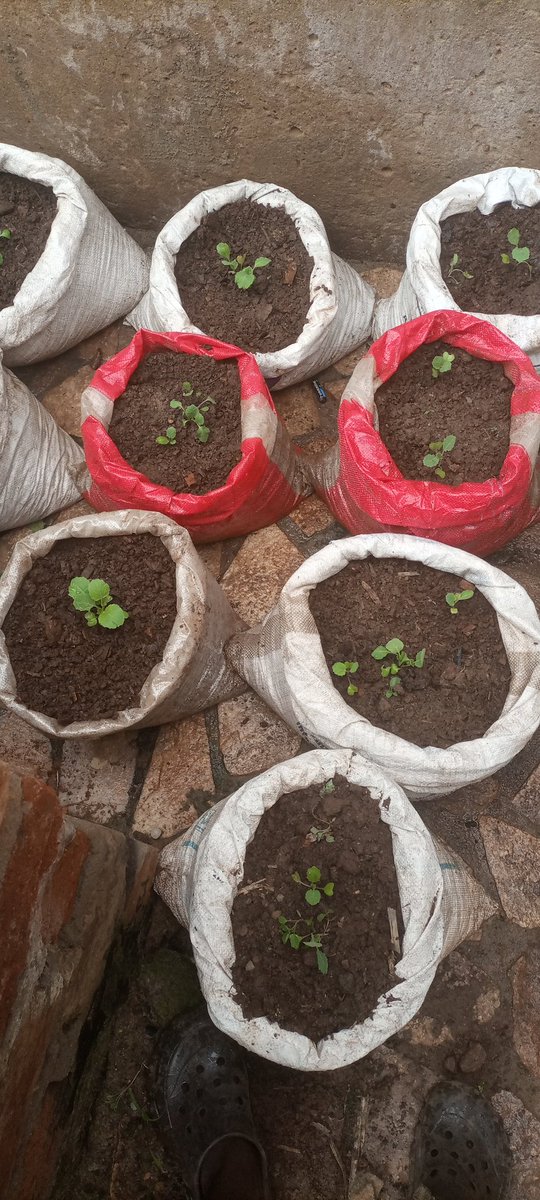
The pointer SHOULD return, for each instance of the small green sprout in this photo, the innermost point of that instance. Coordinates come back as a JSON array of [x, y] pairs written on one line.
[[438, 451], [244, 276], [441, 364], [93, 598], [396, 650], [455, 270], [4, 233], [321, 835], [343, 669], [168, 438], [311, 940], [327, 788], [520, 254], [193, 412], [314, 895], [455, 598]]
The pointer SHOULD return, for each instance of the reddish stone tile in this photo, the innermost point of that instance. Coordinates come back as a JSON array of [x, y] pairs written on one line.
[[251, 737], [180, 764], [257, 574], [514, 860], [525, 976]]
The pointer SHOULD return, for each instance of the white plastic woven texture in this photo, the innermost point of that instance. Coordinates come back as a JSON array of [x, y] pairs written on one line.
[[200, 873], [90, 273], [423, 289], [283, 660], [192, 673], [341, 310]]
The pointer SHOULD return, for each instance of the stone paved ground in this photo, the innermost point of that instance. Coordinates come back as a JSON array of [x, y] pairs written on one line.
[[481, 1019]]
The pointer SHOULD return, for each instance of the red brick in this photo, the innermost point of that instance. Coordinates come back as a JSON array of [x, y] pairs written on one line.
[[61, 891], [35, 849]]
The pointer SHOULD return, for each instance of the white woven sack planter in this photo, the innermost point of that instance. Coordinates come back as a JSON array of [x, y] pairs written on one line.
[[41, 468], [192, 672], [423, 289], [282, 659], [90, 273], [200, 873], [341, 310]]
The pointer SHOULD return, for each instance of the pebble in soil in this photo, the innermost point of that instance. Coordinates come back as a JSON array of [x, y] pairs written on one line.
[[461, 688], [65, 668], [273, 979], [27, 211], [271, 313], [143, 413], [471, 401], [479, 241]]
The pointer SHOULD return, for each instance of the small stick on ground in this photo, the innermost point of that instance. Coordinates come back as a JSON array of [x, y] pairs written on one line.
[[358, 1143], [394, 931]]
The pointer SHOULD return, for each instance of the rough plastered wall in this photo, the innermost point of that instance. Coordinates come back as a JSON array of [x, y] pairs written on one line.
[[363, 107]]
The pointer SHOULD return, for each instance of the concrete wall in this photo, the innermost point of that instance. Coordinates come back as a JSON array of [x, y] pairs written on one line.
[[363, 107]]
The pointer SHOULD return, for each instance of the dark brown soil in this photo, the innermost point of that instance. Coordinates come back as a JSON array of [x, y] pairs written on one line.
[[273, 979], [463, 684], [479, 241], [28, 210], [143, 413], [65, 668], [472, 401], [272, 312]]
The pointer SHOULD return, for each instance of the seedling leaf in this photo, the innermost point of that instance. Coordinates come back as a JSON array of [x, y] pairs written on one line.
[[379, 652], [449, 443], [262, 262], [313, 896], [78, 591], [6, 233], [162, 441], [112, 616], [98, 590], [430, 460], [328, 889], [322, 962], [521, 254], [394, 645], [352, 689], [513, 236], [295, 940], [420, 657], [245, 278], [339, 668], [505, 258], [313, 874], [224, 251]]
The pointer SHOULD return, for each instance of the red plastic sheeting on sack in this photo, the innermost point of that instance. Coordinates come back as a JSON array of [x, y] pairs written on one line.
[[367, 492], [262, 488]]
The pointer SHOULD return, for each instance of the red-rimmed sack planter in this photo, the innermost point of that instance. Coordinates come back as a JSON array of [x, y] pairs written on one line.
[[364, 487], [165, 659], [264, 486]]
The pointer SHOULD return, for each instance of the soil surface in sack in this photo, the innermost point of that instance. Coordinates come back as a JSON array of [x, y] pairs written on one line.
[[74, 672], [471, 402], [27, 211], [479, 241], [143, 413], [340, 833], [272, 312], [461, 688]]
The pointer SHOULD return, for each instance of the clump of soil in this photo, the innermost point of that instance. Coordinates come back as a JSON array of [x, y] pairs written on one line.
[[74, 672], [470, 401], [479, 241], [271, 313], [271, 978], [27, 210], [461, 688], [143, 413]]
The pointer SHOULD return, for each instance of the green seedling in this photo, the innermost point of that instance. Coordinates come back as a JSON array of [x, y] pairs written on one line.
[[437, 452], [327, 788], [314, 895], [344, 670], [441, 364], [455, 598], [454, 269], [321, 835], [195, 413], [311, 940], [244, 275], [4, 233], [391, 671], [168, 438], [520, 254], [93, 598]]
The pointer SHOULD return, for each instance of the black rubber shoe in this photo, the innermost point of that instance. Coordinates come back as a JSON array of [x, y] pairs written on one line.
[[205, 1113], [460, 1150]]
